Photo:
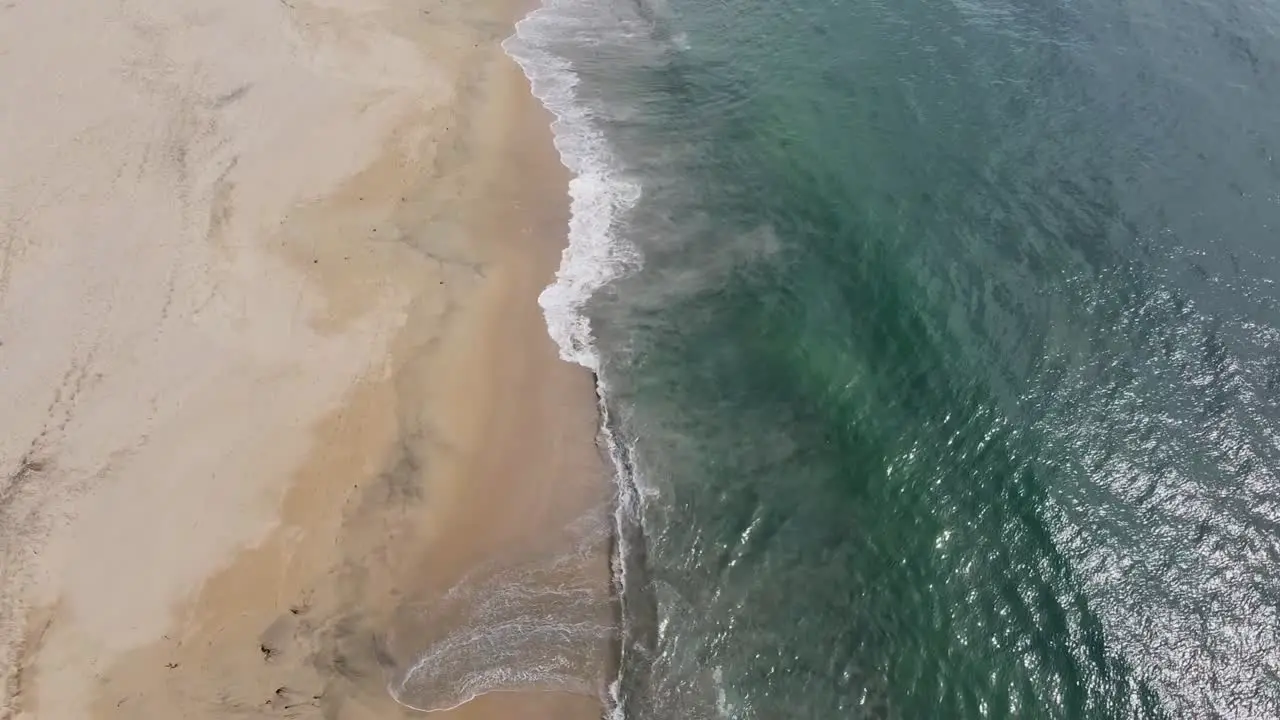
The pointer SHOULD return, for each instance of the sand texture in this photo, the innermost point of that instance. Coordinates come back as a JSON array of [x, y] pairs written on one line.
[[278, 409]]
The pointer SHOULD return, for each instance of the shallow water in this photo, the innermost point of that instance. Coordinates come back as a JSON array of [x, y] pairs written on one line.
[[938, 343], [532, 621]]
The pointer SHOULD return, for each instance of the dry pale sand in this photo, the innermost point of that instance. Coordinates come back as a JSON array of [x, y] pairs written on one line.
[[272, 375]]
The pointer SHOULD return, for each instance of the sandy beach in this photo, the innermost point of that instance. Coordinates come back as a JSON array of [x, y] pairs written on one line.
[[279, 406]]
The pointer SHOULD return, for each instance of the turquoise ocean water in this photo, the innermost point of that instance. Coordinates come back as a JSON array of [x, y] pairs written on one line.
[[939, 347]]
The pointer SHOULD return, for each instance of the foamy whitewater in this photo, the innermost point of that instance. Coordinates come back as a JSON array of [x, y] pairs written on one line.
[[593, 258], [598, 196]]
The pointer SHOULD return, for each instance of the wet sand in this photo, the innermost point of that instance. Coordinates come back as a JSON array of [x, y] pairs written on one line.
[[268, 327]]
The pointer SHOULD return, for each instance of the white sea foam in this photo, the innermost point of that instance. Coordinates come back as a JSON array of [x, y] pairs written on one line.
[[595, 255], [599, 194]]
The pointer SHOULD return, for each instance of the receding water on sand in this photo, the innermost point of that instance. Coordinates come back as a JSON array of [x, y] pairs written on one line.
[[529, 621]]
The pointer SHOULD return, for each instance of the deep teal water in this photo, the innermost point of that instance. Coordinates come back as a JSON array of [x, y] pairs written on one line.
[[940, 347]]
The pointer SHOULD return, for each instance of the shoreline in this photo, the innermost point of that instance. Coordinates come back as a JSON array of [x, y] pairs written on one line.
[[358, 490]]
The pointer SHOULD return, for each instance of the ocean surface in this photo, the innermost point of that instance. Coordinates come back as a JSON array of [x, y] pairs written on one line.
[[939, 349]]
